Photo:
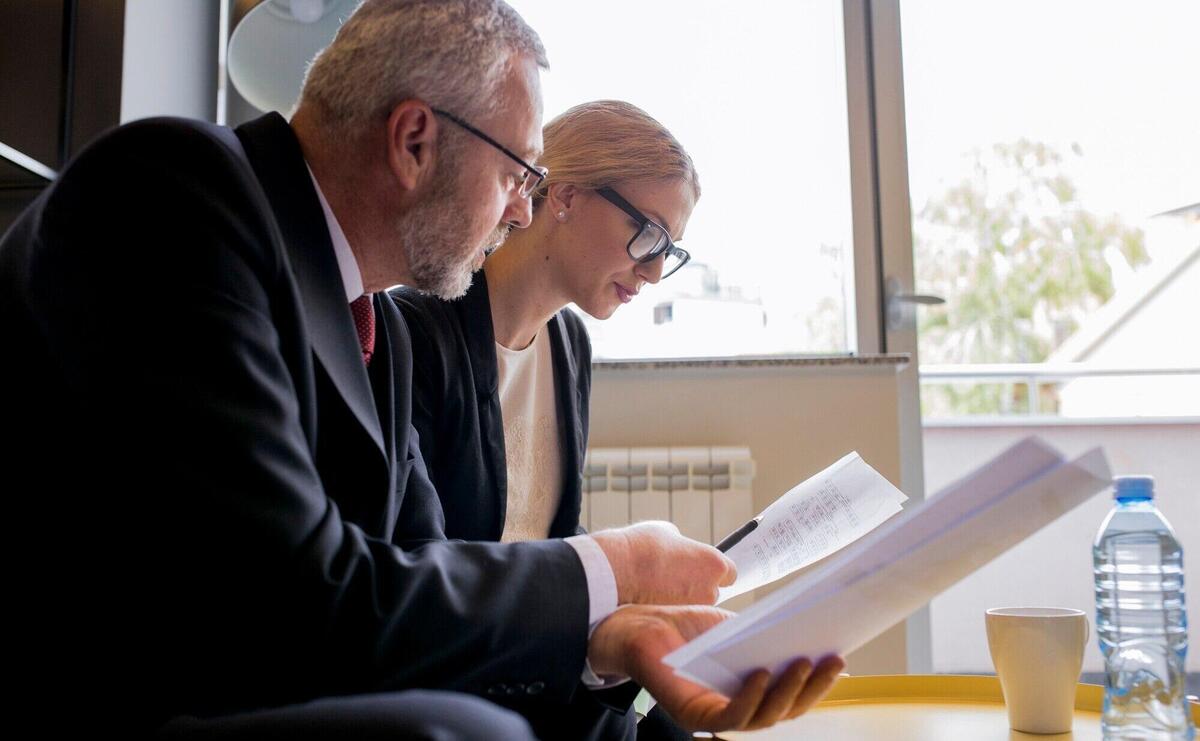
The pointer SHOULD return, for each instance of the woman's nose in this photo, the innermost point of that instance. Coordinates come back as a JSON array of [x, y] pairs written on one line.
[[652, 271]]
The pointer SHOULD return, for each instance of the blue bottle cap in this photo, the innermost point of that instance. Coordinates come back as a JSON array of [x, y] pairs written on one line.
[[1127, 488]]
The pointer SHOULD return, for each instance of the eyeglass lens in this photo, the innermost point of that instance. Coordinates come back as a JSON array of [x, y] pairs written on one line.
[[649, 243], [530, 183]]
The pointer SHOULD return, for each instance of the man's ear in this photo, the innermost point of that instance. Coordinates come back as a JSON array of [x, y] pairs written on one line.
[[411, 143], [561, 197]]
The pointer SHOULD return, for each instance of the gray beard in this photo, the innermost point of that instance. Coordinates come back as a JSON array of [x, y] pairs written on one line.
[[440, 256], [434, 246], [435, 236], [434, 239]]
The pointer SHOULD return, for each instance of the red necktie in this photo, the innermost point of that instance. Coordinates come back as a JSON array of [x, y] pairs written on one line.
[[364, 322]]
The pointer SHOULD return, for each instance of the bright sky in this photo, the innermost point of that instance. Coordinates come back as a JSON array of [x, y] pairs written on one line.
[[756, 91], [1118, 78]]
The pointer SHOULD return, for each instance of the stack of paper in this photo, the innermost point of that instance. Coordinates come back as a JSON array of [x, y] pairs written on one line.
[[886, 575], [816, 518]]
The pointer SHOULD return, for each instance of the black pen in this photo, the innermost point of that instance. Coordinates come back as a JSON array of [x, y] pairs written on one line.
[[736, 536]]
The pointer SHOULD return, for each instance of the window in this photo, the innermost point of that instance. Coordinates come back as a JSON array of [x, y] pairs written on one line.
[[1055, 182], [756, 93], [1055, 185]]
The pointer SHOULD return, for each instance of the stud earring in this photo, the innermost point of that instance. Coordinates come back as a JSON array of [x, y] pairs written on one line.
[[562, 215]]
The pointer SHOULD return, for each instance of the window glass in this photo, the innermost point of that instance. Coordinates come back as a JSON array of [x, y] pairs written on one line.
[[756, 92]]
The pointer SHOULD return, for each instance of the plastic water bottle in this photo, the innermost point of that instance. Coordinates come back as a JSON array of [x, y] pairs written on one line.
[[1140, 618]]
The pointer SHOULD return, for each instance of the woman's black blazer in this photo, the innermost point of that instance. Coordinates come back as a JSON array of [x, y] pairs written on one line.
[[456, 408]]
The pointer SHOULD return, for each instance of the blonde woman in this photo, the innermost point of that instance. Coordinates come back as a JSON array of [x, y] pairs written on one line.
[[502, 377]]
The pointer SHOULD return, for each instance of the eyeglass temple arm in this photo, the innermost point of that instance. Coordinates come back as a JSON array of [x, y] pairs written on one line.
[[509, 153], [615, 199]]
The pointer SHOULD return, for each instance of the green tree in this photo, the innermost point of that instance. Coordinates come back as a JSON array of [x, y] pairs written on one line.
[[1020, 262]]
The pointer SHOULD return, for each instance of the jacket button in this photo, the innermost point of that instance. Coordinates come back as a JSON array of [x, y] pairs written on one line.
[[496, 689], [535, 688]]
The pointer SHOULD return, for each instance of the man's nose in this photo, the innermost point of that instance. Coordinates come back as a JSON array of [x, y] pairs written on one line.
[[519, 212]]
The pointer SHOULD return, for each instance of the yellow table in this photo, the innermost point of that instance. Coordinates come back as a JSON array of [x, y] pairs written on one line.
[[924, 707]]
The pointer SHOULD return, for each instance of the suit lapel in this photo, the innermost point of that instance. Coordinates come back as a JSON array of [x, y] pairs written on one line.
[[475, 310], [475, 318], [385, 377], [382, 373], [570, 425], [275, 155]]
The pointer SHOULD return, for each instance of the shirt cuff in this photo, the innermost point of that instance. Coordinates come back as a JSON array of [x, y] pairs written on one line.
[[602, 599], [601, 584]]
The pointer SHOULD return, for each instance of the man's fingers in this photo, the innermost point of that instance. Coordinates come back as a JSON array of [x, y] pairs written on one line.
[[730, 571], [709, 569], [744, 704], [819, 683], [781, 698]]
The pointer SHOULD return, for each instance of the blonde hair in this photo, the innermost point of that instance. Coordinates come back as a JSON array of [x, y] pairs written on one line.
[[607, 142]]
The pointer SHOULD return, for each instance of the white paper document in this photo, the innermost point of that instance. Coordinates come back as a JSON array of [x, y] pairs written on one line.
[[816, 518], [886, 575]]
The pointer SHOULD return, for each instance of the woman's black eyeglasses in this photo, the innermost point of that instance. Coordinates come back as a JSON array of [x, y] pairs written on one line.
[[533, 176], [651, 239]]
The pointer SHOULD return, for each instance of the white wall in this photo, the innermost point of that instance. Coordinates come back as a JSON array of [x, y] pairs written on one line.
[[796, 420], [170, 64], [1054, 566]]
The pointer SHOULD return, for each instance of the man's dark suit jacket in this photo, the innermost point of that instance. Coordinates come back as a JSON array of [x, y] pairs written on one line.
[[456, 408], [205, 512]]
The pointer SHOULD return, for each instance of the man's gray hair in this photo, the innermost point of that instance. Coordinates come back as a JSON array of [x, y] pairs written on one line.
[[452, 54]]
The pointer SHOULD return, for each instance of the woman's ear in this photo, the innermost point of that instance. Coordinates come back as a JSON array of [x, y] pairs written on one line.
[[561, 198]]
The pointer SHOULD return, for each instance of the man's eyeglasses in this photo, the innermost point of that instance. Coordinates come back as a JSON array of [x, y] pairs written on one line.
[[651, 239], [533, 175]]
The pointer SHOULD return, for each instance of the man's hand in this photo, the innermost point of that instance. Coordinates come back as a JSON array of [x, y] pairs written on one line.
[[634, 639], [654, 564]]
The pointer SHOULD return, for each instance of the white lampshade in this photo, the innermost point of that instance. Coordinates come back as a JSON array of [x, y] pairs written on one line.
[[271, 47]]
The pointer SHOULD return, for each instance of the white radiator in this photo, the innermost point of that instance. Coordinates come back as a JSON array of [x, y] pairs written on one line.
[[706, 492]]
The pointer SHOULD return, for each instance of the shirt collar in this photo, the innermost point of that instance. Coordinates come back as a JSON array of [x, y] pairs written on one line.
[[347, 265]]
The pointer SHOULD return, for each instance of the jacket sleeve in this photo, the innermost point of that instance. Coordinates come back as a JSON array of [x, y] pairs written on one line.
[[164, 301]]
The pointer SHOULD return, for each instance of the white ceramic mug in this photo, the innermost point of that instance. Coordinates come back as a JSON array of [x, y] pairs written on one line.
[[1038, 652]]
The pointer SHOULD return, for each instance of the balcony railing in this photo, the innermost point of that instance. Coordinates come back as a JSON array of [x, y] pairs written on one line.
[[1033, 377]]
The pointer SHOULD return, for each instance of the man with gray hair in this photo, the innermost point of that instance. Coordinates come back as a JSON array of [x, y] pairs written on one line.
[[247, 545]]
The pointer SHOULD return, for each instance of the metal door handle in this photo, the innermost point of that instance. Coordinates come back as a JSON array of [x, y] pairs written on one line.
[[918, 298], [900, 305]]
